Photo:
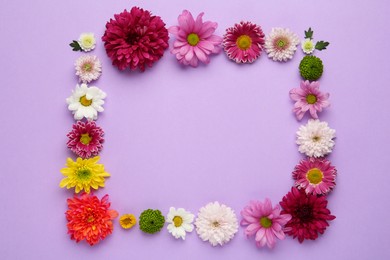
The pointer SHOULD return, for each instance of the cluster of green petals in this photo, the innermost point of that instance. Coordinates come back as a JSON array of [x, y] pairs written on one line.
[[311, 68], [151, 221]]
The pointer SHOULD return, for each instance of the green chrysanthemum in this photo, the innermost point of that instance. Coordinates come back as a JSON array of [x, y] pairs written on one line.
[[311, 68], [151, 221]]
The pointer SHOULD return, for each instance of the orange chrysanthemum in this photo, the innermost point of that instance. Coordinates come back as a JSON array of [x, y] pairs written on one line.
[[89, 218]]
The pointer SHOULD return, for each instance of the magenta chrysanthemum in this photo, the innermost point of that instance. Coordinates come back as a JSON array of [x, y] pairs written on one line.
[[315, 176], [309, 98], [88, 68], [265, 222], [194, 39], [85, 139], [135, 39], [243, 42], [310, 214]]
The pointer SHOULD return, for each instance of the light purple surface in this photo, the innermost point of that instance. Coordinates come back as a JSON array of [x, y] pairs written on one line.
[[184, 137]]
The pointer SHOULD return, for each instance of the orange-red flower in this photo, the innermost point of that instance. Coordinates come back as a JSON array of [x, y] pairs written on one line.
[[89, 218]]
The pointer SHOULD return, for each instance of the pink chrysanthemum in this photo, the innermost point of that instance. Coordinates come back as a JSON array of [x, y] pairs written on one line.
[[315, 176], [265, 222], [88, 68], [244, 42], [309, 98], [85, 139], [310, 214], [89, 218], [194, 39], [135, 39]]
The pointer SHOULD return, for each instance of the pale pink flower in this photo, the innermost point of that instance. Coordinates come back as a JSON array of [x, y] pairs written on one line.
[[88, 68]]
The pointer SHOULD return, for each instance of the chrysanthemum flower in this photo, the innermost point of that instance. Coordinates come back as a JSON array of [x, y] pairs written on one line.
[[127, 221], [135, 39], [309, 98], [85, 139], [311, 68], [151, 221], [265, 222], [89, 218], [216, 223], [86, 102], [308, 46], [180, 222], [310, 214], [243, 42], [194, 39], [83, 174], [87, 41], [315, 176], [88, 68], [281, 44], [315, 139]]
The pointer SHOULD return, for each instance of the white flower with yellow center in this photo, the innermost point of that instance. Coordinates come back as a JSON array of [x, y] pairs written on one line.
[[86, 102], [87, 41], [308, 46], [180, 222]]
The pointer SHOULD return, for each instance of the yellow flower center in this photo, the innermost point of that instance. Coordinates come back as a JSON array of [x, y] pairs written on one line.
[[177, 221], [265, 222], [87, 41], [83, 174], [193, 39], [244, 42], [85, 102], [127, 221], [316, 138], [314, 176], [216, 224], [311, 99], [85, 138], [308, 45], [90, 219], [87, 67]]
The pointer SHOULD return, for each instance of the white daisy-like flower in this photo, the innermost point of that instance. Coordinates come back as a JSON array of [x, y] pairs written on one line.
[[87, 41], [281, 44], [315, 139], [88, 68], [180, 222], [86, 102], [307, 46], [216, 223]]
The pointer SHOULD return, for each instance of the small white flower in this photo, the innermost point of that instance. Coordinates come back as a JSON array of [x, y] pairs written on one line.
[[281, 44], [216, 223], [87, 41], [88, 68], [180, 222], [86, 102], [315, 139], [307, 46]]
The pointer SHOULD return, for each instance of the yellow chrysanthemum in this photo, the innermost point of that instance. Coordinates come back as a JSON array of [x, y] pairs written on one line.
[[83, 174], [127, 221]]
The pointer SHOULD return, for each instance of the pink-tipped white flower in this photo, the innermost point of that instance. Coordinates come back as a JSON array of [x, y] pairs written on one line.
[[88, 68], [281, 44]]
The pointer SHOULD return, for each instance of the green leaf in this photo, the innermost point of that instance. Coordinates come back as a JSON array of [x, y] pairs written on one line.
[[309, 34], [321, 45], [75, 46]]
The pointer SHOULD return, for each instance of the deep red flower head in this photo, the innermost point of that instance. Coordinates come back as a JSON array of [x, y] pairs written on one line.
[[135, 39], [310, 214]]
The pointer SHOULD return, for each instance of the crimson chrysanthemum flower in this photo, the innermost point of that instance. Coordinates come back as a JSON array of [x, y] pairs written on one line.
[[85, 139], [135, 39], [310, 214], [315, 176], [243, 42], [89, 218]]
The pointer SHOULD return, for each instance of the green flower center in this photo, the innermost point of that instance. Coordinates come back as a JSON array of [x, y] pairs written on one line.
[[308, 45], [87, 67], [311, 99], [177, 221], [193, 39], [85, 102], [265, 222], [314, 176], [244, 42], [85, 138], [84, 174]]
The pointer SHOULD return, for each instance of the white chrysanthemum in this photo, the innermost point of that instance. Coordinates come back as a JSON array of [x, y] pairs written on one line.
[[88, 68], [86, 102], [281, 44], [315, 139], [308, 46], [180, 222], [87, 41], [216, 223]]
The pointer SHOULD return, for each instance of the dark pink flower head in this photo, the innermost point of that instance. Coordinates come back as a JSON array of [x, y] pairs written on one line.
[[194, 39], [135, 39], [309, 98], [315, 176], [265, 222], [310, 214], [244, 42], [85, 139]]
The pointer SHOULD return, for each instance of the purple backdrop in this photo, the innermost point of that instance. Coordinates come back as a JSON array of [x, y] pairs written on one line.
[[184, 137]]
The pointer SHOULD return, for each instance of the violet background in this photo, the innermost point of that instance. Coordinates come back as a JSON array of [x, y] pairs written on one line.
[[184, 137]]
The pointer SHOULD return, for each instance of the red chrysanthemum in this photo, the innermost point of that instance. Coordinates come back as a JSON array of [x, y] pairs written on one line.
[[89, 218], [85, 139], [310, 214], [135, 39]]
